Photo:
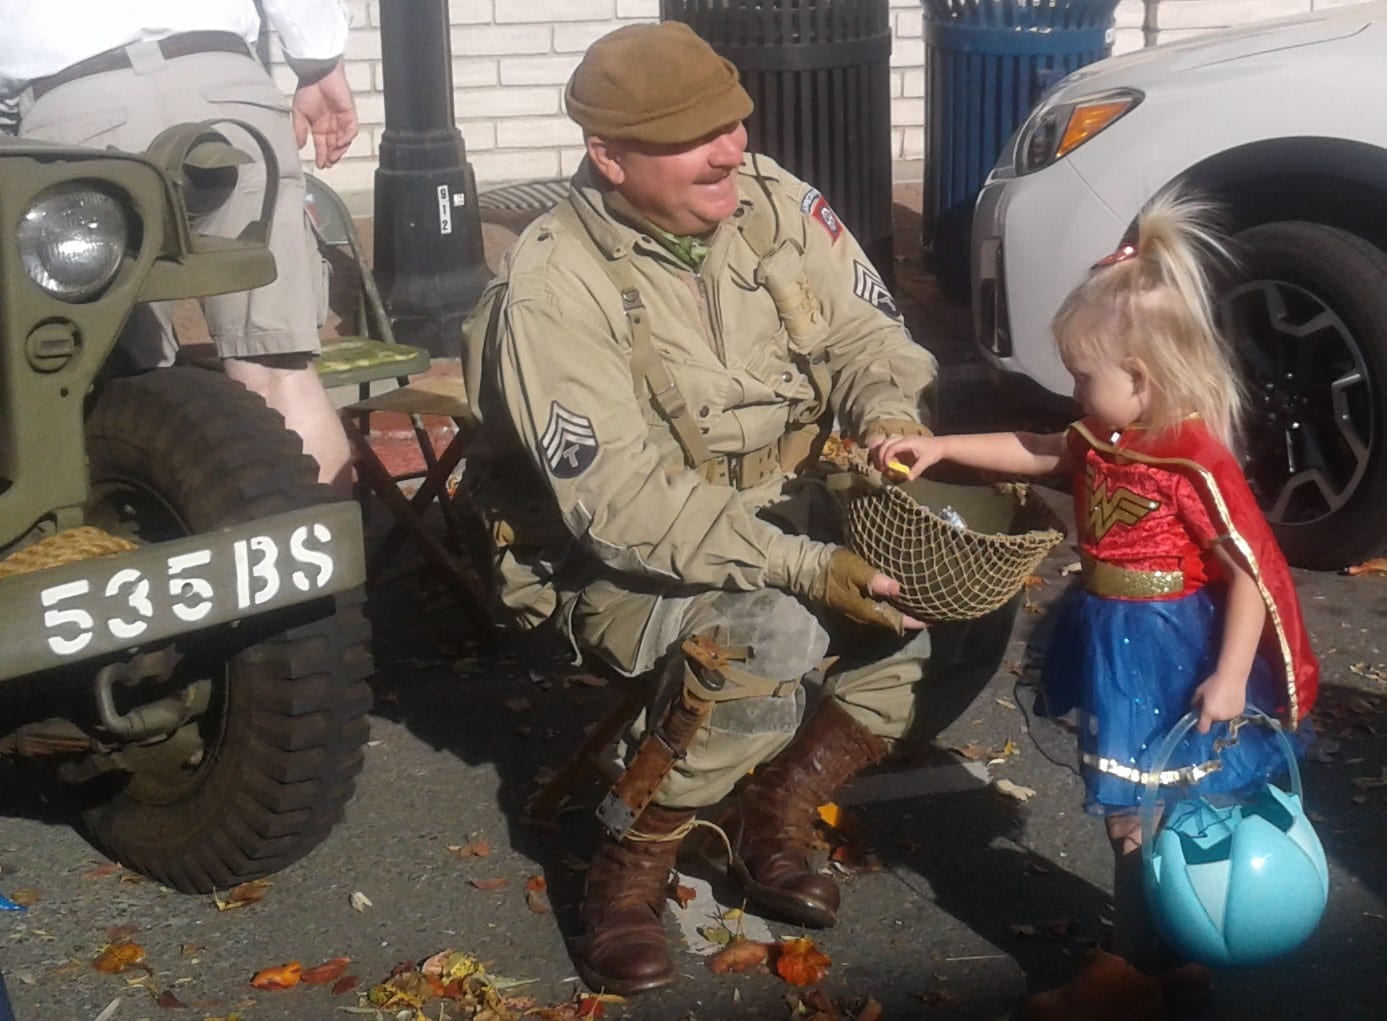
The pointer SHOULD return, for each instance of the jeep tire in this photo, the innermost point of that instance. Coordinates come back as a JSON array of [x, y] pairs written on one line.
[[185, 451], [1308, 318]]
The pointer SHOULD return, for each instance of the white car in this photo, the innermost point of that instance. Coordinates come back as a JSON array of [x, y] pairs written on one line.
[[1283, 124]]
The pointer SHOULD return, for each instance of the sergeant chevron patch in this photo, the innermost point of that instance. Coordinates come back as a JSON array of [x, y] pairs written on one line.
[[569, 441], [870, 288]]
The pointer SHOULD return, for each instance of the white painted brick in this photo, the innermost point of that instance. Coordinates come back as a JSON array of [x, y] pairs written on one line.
[[363, 44], [912, 144], [1189, 14], [907, 112], [1128, 40], [509, 12], [498, 103], [478, 136], [358, 14], [501, 40], [515, 165], [896, 86], [535, 132], [370, 108], [569, 160], [551, 70], [577, 38], [913, 82], [350, 176], [362, 147], [910, 24], [475, 72], [638, 8], [359, 75], [373, 13], [472, 12], [908, 52]]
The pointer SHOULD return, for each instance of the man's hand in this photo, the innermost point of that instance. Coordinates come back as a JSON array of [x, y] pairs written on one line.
[[326, 109], [851, 586]]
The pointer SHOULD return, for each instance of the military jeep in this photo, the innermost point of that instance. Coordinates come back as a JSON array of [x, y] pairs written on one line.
[[182, 643]]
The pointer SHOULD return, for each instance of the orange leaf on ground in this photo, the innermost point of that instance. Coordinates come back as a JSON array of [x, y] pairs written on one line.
[[590, 1007], [1377, 565], [801, 963], [116, 957], [475, 849], [109, 868], [536, 884], [497, 883], [243, 894], [285, 976], [538, 902], [683, 895], [739, 955], [345, 984], [871, 1011], [328, 971], [169, 1001]]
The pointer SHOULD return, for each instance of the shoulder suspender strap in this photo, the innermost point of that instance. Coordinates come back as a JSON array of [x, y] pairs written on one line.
[[646, 364]]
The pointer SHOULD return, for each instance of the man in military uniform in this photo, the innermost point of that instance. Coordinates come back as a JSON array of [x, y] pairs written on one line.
[[654, 360]]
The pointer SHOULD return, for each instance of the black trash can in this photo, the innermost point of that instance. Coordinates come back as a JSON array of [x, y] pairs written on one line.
[[987, 64], [819, 72]]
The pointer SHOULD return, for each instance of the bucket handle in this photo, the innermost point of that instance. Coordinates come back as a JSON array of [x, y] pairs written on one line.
[[1167, 749]]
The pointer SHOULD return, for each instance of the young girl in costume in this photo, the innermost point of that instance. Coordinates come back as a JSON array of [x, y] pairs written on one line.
[[1186, 602]]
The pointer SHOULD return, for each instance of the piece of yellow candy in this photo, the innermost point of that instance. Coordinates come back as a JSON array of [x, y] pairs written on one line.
[[897, 467]]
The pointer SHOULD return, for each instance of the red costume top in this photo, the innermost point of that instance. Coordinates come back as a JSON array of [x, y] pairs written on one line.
[[1176, 494]]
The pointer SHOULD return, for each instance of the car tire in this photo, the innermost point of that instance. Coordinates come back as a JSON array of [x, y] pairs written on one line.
[[185, 451], [1308, 320]]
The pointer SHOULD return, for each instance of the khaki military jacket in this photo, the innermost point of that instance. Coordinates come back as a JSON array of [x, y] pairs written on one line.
[[573, 456]]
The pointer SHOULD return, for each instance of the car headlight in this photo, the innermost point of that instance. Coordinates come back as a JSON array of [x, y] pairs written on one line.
[[72, 240], [1055, 130]]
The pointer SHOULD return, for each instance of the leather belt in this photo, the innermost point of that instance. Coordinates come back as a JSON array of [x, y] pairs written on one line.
[[743, 471], [184, 44]]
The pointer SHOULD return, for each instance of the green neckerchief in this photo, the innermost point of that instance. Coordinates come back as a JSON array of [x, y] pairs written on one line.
[[689, 250]]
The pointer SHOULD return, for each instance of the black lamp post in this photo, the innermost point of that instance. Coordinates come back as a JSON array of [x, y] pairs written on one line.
[[428, 257]]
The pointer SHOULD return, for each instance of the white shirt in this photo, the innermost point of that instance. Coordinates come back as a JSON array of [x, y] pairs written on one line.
[[41, 37]]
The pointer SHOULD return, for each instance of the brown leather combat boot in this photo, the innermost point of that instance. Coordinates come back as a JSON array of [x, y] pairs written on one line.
[[773, 826], [623, 948]]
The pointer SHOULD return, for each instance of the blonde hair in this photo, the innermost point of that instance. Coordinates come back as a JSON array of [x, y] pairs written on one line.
[[1150, 302]]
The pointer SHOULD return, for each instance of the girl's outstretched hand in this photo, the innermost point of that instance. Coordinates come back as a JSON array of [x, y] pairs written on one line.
[[1220, 697], [907, 456]]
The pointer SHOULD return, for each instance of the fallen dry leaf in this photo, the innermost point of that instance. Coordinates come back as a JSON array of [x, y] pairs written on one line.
[[517, 705], [475, 849], [169, 1001], [1013, 790], [27, 897], [116, 957], [739, 955], [684, 895], [243, 894], [109, 868], [359, 901], [284, 976], [971, 752], [1377, 565], [871, 1011], [538, 902], [800, 963], [328, 971], [345, 984], [495, 883]]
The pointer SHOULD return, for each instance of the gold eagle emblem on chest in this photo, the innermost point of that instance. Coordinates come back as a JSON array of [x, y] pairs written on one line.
[[1108, 506]]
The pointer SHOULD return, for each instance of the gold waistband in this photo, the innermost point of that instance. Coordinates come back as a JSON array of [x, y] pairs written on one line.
[[1113, 582]]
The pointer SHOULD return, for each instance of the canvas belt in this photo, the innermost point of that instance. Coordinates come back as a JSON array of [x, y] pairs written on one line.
[[742, 471], [1114, 582], [184, 44]]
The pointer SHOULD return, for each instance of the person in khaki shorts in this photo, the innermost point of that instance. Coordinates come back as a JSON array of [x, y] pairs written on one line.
[[647, 370], [99, 74]]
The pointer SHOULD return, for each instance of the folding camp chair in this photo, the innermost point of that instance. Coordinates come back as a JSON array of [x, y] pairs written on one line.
[[374, 356]]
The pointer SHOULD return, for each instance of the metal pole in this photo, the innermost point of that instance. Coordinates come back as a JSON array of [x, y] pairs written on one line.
[[428, 258]]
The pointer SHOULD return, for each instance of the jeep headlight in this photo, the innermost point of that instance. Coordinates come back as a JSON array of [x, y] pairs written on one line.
[[72, 240], [1054, 130]]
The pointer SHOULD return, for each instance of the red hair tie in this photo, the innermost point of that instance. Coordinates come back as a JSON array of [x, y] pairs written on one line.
[[1123, 253]]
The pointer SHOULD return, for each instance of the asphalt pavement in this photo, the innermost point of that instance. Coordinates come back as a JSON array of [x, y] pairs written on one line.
[[959, 897]]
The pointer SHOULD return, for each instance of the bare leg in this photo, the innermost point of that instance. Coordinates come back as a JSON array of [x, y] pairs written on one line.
[[290, 385]]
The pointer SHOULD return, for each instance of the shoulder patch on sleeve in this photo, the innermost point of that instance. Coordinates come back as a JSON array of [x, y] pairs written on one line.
[[569, 441], [816, 207], [870, 288]]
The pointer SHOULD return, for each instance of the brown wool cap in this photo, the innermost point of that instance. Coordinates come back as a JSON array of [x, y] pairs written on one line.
[[655, 83]]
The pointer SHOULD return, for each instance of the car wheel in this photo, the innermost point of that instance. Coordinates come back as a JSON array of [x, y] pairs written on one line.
[[261, 776], [1307, 318]]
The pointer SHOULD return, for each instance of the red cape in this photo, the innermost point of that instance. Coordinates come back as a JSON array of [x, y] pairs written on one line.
[[1192, 451]]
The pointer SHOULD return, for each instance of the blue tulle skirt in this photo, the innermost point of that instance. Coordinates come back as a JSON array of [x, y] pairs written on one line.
[[1129, 669]]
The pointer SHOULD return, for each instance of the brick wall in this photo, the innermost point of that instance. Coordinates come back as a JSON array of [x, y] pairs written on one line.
[[512, 57]]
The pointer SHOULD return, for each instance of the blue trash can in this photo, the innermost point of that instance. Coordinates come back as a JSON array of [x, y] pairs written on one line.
[[987, 63]]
